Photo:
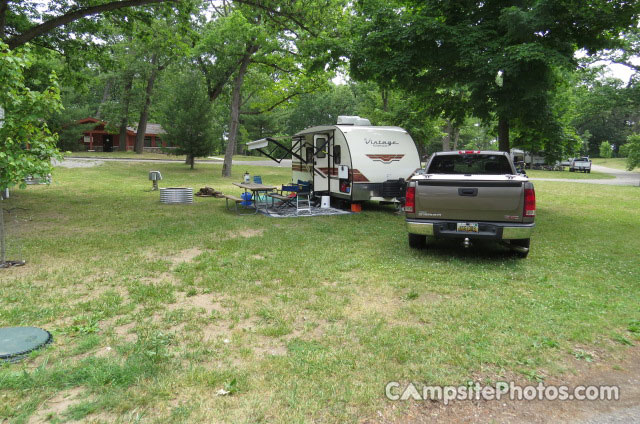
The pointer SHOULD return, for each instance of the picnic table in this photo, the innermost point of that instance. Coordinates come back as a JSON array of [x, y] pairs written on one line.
[[256, 189]]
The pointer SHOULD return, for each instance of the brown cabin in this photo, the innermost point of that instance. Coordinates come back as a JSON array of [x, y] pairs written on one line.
[[100, 140]]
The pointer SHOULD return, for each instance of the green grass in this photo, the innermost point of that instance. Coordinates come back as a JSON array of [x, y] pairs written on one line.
[[593, 175], [616, 163], [155, 308], [133, 155]]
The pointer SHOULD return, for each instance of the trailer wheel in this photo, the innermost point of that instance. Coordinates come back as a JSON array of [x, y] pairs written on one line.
[[571, 170], [526, 243], [588, 171], [417, 241]]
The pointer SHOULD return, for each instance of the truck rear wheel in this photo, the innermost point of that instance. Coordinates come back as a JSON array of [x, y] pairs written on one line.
[[524, 244], [417, 241]]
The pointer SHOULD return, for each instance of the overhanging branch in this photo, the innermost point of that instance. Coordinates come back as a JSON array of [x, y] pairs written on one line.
[[43, 28]]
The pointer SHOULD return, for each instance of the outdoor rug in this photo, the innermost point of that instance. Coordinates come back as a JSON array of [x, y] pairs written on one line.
[[291, 212]]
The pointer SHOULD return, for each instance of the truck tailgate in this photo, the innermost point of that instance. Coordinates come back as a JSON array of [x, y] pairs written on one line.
[[488, 199]]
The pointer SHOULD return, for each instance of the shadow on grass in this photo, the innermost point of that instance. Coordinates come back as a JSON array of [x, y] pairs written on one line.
[[479, 252]]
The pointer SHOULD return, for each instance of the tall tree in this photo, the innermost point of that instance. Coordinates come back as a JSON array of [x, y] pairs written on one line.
[[503, 52], [278, 39], [187, 116]]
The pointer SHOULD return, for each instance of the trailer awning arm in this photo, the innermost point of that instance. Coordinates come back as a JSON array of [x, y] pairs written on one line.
[[262, 145]]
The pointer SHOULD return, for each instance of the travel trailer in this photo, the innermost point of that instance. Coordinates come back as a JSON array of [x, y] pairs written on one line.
[[529, 160], [352, 160]]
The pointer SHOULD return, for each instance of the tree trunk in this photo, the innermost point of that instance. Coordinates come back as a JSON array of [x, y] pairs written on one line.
[[192, 161], [503, 135], [4, 4], [446, 140], [456, 137], [385, 99], [128, 85], [144, 114], [235, 110], [105, 97]]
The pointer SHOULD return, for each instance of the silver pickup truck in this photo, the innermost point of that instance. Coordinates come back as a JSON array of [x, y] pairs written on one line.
[[580, 165], [470, 195]]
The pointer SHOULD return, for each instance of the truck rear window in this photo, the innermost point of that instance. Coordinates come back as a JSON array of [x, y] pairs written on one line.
[[470, 164]]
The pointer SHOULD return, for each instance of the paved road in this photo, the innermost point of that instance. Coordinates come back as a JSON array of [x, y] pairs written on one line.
[[622, 178], [284, 164], [630, 415]]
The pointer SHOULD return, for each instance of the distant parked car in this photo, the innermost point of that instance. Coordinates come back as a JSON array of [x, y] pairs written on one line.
[[581, 165], [566, 162]]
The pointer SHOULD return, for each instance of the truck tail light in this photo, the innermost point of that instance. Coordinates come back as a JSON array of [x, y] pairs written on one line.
[[410, 200], [529, 202]]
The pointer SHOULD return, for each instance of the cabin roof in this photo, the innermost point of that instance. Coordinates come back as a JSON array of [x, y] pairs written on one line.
[[152, 129]]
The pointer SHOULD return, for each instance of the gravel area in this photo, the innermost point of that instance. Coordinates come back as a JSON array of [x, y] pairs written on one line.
[[76, 163]]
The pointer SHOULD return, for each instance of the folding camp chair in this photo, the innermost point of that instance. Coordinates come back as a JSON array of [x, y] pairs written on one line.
[[303, 197], [257, 179]]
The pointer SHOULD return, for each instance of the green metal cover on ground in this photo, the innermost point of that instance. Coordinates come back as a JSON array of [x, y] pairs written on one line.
[[17, 341]]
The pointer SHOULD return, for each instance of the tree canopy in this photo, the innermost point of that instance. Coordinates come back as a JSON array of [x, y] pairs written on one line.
[[505, 54]]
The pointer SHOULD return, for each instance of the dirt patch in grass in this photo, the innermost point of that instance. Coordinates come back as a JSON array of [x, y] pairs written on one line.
[[57, 405], [214, 332], [186, 255], [379, 302], [123, 332], [207, 301], [246, 233], [164, 277], [268, 346], [622, 372]]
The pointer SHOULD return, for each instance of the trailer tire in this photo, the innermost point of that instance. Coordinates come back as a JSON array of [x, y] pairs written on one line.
[[417, 241], [588, 171], [522, 243], [571, 170]]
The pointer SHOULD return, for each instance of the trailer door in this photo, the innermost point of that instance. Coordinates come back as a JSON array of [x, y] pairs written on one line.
[[321, 162]]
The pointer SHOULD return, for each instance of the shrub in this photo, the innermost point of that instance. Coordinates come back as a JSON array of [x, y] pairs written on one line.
[[605, 149]]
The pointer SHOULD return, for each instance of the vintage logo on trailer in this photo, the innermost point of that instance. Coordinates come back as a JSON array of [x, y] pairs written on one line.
[[379, 143], [385, 158]]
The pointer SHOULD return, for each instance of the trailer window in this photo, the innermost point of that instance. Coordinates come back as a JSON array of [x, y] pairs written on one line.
[[321, 148], [336, 155], [470, 164]]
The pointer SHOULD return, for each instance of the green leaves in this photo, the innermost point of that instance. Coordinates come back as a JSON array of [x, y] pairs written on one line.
[[26, 144], [633, 158], [428, 47]]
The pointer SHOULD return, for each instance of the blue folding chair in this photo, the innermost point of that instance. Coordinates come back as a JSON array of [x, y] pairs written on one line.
[[257, 179], [303, 197]]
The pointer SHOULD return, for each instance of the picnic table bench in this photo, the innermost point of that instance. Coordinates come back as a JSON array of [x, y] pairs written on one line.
[[235, 200]]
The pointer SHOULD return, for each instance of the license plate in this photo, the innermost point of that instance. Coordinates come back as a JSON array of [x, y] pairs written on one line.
[[467, 227]]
